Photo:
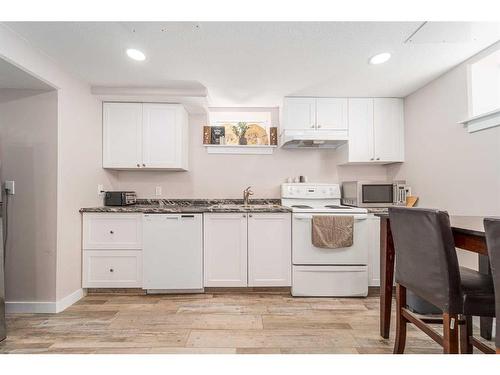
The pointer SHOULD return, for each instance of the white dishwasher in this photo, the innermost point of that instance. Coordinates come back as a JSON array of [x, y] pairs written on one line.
[[172, 253]]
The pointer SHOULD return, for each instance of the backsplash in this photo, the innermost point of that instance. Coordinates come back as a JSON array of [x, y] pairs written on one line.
[[225, 176]]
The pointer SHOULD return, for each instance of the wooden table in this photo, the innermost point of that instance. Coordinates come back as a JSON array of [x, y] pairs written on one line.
[[468, 232]]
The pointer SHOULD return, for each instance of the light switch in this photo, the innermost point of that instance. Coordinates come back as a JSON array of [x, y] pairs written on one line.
[[158, 191]]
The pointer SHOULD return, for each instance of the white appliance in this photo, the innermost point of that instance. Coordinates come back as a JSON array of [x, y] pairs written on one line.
[[308, 138], [325, 272], [172, 253]]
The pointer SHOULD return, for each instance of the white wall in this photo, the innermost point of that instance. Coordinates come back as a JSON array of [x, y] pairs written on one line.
[[447, 167], [79, 153], [28, 155], [225, 176]]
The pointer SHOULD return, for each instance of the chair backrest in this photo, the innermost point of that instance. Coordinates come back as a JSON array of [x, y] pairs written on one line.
[[492, 229], [426, 259]]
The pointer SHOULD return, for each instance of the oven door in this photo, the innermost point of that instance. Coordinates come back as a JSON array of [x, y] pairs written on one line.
[[304, 253]]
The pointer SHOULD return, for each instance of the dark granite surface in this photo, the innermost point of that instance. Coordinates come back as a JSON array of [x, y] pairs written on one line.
[[165, 206]]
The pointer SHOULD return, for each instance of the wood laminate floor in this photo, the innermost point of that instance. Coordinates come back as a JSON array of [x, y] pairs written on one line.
[[208, 323]]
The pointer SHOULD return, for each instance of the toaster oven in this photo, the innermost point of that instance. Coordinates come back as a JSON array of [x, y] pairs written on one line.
[[120, 198]]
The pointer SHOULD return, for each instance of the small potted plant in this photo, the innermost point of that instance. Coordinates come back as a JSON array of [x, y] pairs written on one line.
[[240, 130]]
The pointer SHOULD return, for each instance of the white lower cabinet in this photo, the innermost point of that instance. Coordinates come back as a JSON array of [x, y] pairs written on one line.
[[269, 249], [373, 250], [247, 249], [225, 249], [112, 268], [238, 250], [112, 250]]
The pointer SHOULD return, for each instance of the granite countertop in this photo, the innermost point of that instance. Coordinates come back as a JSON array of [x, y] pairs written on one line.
[[166, 206]]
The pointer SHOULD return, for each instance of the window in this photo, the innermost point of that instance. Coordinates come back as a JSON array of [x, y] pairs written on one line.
[[484, 93]]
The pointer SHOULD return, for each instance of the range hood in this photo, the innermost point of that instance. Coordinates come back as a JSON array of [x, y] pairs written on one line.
[[313, 138]]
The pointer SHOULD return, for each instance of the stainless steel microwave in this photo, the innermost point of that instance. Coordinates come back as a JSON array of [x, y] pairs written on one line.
[[374, 194]]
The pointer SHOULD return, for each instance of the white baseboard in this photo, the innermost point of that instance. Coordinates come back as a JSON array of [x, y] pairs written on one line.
[[70, 299], [30, 307], [27, 307]]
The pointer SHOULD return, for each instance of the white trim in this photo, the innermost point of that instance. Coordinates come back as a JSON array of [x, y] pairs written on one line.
[[27, 307], [241, 149], [30, 307], [483, 121], [69, 300]]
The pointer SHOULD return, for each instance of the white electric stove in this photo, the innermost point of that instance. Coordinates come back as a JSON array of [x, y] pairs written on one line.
[[316, 271]]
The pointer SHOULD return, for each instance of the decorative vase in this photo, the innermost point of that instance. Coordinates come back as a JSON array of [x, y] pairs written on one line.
[[242, 140]]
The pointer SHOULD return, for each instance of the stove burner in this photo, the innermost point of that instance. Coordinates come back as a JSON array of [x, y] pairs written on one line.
[[338, 207], [301, 206]]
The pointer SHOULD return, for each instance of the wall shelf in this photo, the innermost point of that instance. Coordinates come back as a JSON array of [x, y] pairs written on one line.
[[240, 149]]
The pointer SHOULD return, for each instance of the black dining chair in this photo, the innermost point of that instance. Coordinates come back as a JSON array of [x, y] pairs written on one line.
[[427, 264], [492, 229]]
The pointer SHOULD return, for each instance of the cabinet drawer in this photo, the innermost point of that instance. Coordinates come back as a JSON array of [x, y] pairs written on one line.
[[112, 231], [115, 268]]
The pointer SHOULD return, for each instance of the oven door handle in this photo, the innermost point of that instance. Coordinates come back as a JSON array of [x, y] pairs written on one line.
[[357, 217]]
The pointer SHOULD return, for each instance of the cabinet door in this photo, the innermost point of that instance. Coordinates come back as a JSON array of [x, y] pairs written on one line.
[[269, 249], [225, 249], [361, 130], [388, 129], [162, 136], [122, 135], [331, 113], [300, 113], [112, 269], [373, 250], [112, 231]]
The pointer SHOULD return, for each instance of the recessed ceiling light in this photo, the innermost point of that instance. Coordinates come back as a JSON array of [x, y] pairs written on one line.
[[135, 54], [380, 58]]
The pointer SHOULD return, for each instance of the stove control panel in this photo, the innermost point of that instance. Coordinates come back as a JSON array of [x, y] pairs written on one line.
[[310, 191]]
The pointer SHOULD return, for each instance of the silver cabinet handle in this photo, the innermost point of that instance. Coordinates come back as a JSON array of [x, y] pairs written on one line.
[[244, 215], [250, 215], [312, 126], [371, 158], [111, 232], [111, 270], [319, 126], [143, 165], [138, 165], [378, 158]]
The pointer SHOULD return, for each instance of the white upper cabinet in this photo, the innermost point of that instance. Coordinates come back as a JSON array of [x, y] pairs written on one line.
[[388, 124], [145, 136], [299, 113], [315, 113], [360, 130], [376, 131], [331, 113], [122, 135]]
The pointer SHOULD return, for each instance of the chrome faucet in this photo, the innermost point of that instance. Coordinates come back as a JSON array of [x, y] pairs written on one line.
[[246, 195]]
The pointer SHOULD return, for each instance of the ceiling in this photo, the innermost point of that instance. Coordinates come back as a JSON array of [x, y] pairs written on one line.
[[11, 77], [257, 63]]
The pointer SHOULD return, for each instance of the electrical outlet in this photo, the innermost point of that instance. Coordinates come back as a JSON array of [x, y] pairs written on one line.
[[100, 190], [158, 191], [10, 187]]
